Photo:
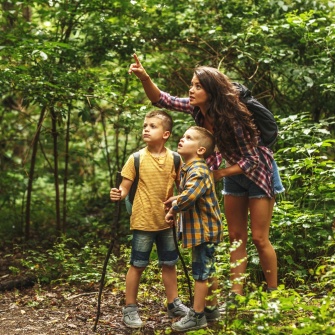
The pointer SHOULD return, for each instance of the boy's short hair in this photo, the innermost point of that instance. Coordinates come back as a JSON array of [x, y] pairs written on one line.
[[167, 121], [206, 140]]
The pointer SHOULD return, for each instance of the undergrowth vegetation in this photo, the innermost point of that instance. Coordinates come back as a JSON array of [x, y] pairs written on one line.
[[302, 233]]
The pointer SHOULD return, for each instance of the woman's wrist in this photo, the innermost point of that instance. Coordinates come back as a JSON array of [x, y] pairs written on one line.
[[219, 174], [222, 173], [147, 77]]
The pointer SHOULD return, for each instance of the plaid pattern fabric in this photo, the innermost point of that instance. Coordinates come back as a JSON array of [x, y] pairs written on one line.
[[256, 162], [198, 204]]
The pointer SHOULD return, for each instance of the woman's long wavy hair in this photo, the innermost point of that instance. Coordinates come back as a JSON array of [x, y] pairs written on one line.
[[226, 110]]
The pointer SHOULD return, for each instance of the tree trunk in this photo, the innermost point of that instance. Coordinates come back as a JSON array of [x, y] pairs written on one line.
[[66, 169], [56, 176], [31, 173]]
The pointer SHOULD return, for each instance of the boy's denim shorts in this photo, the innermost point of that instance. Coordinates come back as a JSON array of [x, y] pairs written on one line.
[[142, 245], [203, 261], [241, 185]]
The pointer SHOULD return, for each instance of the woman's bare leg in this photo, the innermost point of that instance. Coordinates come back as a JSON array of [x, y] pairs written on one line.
[[236, 212], [261, 214]]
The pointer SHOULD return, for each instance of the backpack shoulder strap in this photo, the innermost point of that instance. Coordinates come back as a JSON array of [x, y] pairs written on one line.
[[133, 188], [176, 160], [136, 162]]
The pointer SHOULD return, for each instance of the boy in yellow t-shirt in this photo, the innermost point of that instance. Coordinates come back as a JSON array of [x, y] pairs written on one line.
[[157, 176]]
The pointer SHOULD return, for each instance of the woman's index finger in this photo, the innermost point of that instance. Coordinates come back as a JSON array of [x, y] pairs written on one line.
[[137, 60]]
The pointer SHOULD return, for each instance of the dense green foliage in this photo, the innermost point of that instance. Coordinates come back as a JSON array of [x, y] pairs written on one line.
[[71, 115]]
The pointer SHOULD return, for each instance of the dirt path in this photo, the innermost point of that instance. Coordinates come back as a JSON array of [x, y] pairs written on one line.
[[63, 310]]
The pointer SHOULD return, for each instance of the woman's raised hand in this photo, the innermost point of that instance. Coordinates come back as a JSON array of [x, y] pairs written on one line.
[[138, 69], [151, 90]]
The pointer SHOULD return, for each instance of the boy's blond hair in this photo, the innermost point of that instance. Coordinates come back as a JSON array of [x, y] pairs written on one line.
[[206, 140], [167, 121]]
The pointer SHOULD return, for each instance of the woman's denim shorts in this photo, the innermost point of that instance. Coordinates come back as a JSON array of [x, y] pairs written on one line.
[[142, 244], [241, 185]]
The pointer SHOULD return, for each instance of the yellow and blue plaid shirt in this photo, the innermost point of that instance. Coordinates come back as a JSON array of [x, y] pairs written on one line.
[[198, 205]]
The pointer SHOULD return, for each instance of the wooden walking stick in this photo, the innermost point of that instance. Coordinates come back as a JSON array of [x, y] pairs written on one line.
[[114, 236], [184, 265]]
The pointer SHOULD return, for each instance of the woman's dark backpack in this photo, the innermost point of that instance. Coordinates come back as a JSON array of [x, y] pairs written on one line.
[[264, 119]]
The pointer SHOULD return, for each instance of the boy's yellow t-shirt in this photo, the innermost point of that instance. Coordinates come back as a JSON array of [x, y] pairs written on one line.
[[155, 185]]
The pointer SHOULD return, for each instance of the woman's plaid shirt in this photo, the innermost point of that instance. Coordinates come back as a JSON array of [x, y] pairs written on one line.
[[198, 205], [256, 162]]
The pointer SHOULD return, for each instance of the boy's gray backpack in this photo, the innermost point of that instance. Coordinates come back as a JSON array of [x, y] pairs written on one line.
[[131, 195]]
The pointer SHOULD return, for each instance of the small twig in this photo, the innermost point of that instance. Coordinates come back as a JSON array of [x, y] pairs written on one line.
[[80, 295], [81, 318]]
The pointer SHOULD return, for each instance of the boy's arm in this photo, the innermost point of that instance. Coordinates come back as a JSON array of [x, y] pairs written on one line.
[[119, 194], [168, 202], [195, 186]]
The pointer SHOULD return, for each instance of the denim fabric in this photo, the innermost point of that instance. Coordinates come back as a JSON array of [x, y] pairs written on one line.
[[203, 260], [142, 244], [241, 185]]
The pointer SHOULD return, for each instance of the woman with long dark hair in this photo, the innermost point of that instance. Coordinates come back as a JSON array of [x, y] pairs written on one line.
[[251, 178]]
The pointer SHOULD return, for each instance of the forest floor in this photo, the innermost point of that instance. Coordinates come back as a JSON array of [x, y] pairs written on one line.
[[63, 310], [32, 309]]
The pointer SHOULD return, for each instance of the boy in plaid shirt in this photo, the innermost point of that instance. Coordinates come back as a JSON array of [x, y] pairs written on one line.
[[201, 224]]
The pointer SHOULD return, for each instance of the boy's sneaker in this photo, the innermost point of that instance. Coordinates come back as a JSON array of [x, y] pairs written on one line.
[[189, 322], [131, 318], [178, 309], [212, 314]]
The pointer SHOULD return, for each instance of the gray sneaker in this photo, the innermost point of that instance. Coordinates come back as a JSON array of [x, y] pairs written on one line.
[[131, 318], [189, 322], [179, 309], [212, 315]]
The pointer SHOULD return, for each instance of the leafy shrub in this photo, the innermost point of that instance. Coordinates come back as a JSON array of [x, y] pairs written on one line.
[[66, 261]]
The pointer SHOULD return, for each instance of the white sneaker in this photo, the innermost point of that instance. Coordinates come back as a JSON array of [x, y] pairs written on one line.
[[179, 309], [189, 322], [131, 317]]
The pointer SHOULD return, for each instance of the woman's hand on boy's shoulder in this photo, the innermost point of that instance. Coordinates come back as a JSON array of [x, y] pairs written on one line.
[[217, 174]]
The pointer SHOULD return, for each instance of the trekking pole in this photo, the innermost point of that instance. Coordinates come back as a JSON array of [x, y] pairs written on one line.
[[184, 265], [115, 228]]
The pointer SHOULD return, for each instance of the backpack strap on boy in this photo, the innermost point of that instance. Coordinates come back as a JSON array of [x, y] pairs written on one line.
[[176, 161], [131, 195]]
